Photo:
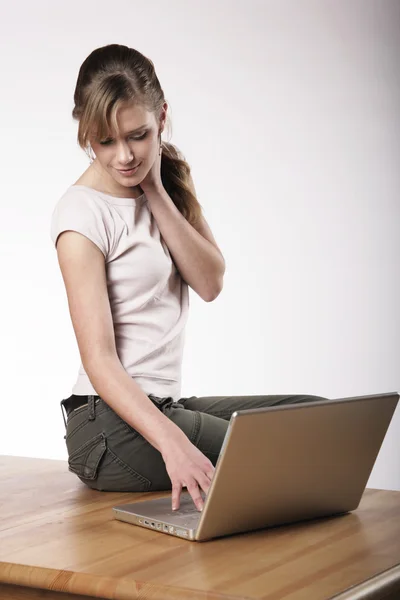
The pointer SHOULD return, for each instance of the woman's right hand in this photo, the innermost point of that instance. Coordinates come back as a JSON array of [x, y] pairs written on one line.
[[187, 467]]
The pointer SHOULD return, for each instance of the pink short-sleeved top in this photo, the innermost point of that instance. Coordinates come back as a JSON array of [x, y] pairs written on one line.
[[149, 300]]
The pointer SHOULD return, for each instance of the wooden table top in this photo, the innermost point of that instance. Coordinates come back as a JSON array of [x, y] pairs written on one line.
[[57, 534]]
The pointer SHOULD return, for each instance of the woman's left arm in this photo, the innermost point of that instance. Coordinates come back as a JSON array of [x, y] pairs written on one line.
[[194, 251]]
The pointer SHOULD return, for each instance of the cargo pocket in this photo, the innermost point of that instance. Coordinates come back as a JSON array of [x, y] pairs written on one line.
[[84, 461]]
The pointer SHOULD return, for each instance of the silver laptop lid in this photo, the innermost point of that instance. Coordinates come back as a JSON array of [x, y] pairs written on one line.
[[287, 463]]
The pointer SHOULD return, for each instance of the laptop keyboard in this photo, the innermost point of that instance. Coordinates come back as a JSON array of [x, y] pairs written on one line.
[[184, 511]]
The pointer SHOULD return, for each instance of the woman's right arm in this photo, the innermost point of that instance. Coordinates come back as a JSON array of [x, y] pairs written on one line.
[[83, 270]]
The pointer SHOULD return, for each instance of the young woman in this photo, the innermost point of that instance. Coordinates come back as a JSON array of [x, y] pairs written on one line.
[[130, 239]]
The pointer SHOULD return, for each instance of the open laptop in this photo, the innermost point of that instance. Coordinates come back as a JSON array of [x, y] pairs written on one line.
[[279, 465]]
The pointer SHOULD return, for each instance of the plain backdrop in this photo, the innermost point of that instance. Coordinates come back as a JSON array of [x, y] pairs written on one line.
[[288, 114]]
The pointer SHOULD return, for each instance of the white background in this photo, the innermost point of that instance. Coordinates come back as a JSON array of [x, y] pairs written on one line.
[[288, 114]]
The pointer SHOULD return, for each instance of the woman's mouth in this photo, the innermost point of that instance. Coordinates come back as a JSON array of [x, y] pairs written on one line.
[[128, 172]]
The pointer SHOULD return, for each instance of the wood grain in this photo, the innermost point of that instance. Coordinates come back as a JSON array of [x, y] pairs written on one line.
[[58, 535]]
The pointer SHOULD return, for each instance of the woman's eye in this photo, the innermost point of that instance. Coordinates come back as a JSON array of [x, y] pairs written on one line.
[[108, 142]]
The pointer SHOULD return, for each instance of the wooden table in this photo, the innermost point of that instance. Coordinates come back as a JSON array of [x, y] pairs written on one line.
[[58, 535]]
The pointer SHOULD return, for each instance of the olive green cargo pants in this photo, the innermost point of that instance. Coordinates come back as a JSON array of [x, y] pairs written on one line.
[[107, 454]]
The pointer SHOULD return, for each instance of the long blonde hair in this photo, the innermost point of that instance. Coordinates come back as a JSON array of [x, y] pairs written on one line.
[[116, 75]]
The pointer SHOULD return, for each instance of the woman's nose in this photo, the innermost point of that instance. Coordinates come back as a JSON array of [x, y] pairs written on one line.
[[125, 154]]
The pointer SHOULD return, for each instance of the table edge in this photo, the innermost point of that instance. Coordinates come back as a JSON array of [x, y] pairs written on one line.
[[387, 581], [87, 584]]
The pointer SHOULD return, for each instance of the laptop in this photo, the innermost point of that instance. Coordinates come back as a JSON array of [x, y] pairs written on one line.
[[279, 465]]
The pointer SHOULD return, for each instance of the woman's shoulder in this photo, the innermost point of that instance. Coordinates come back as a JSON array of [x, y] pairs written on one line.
[[81, 197]]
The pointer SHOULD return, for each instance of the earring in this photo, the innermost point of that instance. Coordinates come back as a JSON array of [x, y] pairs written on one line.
[[89, 153], [160, 150]]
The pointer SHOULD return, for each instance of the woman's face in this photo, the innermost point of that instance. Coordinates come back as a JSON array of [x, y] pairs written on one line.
[[136, 146]]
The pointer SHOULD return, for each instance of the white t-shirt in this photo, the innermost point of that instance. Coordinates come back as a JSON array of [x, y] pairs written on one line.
[[149, 300]]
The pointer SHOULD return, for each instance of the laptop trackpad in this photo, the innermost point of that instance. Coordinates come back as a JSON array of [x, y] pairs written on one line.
[[160, 510]]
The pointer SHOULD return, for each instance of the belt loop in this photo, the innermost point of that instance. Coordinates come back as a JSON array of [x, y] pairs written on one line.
[[91, 415]]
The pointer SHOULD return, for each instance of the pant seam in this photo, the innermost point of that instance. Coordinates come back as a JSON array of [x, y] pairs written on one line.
[[128, 468], [196, 427]]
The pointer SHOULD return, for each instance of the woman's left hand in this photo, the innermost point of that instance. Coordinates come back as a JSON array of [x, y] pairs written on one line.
[[152, 181]]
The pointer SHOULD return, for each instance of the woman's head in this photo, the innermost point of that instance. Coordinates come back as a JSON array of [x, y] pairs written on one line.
[[132, 142], [117, 92]]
